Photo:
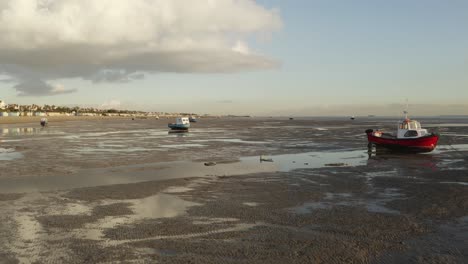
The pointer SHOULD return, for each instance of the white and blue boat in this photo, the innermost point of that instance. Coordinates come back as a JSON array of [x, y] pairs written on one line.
[[182, 124], [193, 119]]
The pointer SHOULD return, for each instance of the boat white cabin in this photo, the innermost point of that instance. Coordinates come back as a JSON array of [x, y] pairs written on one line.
[[182, 121], [410, 129]]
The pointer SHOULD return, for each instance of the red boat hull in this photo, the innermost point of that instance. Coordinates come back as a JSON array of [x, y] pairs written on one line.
[[422, 144]]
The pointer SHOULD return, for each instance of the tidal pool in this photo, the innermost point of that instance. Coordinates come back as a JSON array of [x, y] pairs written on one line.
[[9, 154]]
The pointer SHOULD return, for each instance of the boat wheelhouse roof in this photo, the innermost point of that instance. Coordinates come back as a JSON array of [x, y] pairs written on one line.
[[410, 124]]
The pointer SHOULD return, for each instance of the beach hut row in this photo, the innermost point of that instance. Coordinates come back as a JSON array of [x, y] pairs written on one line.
[[4, 114]]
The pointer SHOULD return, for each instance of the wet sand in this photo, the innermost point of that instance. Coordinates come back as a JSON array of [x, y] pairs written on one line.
[[114, 191], [35, 119]]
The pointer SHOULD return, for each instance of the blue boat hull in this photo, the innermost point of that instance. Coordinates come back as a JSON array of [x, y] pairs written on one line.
[[179, 126]]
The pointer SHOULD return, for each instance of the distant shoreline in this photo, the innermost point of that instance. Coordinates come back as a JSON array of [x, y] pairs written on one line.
[[36, 119]]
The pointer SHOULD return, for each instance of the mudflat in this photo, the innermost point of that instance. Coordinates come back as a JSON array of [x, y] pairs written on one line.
[[121, 190], [35, 119]]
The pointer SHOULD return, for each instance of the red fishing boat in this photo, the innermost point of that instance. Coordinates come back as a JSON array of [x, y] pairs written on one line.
[[410, 137]]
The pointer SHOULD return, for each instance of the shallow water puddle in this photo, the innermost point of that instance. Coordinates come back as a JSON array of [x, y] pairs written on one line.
[[152, 207], [460, 183], [331, 196], [376, 205], [307, 208], [251, 204], [177, 189], [230, 140], [161, 206], [171, 170], [236, 228], [372, 174], [210, 221], [31, 133], [118, 132], [183, 146], [129, 174], [9, 154], [452, 134], [288, 162], [20, 131], [86, 150], [453, 147]]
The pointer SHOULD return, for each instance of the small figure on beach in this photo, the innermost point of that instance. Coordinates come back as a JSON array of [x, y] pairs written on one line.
[[44, 122]]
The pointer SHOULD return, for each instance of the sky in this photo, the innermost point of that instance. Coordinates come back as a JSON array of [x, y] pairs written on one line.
[[264, 57]]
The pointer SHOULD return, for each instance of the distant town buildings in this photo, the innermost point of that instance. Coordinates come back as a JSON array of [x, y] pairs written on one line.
[[52, 110]]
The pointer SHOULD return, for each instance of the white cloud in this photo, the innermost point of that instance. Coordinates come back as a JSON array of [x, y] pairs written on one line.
[[241, 47], [121, 40]]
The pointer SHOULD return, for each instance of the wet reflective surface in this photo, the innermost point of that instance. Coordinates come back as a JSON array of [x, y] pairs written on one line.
[[288, 162], [122, 190], [9, 154], [160, 205], [16, 131], [90, 153]]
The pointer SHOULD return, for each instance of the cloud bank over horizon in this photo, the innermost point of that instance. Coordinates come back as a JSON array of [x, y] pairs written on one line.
[[45, 41]]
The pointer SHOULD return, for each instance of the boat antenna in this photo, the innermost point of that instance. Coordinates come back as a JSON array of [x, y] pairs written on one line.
[[406, 110]]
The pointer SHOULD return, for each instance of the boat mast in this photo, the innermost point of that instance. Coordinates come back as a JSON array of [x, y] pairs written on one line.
[[406, 110]]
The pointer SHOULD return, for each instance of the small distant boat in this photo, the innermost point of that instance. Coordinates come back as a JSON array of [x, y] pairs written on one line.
[[192, 119], [410, 137], [265, 159], [44, 122], [182, 124], [291, 118], [352, 118]]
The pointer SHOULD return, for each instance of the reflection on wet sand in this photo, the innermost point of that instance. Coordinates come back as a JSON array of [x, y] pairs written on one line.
[[102, 216], [171, 170], [20, 131], [345, 199], [288, 162], [160, 206], [152, 207], [128, 174], [9, 154], [149, 197]]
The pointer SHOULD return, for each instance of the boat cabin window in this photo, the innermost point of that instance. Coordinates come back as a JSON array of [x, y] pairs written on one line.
[[417, 125], [411, 133], [405, 125], [410, 125]]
